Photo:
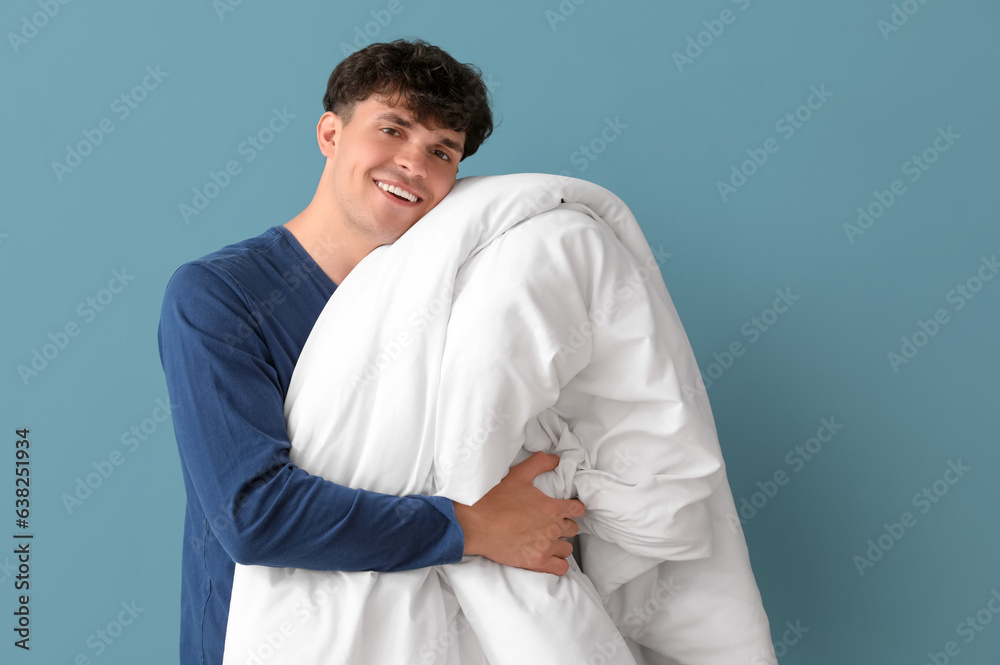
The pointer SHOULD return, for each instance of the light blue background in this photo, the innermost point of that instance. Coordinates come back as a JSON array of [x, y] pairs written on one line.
[[555, 84]]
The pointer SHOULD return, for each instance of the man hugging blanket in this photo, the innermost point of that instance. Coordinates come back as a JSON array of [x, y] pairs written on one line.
[[524, 313]]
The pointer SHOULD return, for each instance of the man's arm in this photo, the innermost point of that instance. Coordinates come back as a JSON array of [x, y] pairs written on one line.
[[230, 428]]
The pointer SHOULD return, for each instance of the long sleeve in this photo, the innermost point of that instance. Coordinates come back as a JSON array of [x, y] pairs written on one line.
[[229, 423]]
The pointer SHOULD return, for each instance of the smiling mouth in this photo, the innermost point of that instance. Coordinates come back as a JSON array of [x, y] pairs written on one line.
[[398, 192]]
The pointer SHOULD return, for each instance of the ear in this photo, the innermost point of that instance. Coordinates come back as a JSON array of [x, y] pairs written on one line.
[[327, 132]]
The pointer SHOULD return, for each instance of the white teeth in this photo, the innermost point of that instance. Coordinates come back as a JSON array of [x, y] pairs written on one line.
[[397, 191]]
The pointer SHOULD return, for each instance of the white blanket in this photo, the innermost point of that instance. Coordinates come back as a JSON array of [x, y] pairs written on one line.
[[525, 312]]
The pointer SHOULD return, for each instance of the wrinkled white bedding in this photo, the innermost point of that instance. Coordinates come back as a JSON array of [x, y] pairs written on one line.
[[525, 312]]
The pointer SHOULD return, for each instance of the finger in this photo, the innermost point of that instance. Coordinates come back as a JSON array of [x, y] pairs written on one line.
[[536, 464], [570, 529], [562, 549], [557, 566], [568, 508], [551, 564], [554, 531]]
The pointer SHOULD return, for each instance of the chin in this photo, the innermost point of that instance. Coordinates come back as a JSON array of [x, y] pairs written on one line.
[[388, 237]]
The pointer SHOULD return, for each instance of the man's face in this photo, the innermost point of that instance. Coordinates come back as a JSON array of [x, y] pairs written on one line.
[[384, 147]]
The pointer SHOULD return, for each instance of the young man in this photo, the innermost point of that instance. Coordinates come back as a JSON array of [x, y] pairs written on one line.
[[399, 118]]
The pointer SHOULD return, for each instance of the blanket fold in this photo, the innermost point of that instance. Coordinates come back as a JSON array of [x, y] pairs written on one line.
[[524, 312]]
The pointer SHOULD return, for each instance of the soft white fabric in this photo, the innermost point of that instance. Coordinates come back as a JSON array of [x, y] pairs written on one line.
[[525, 312]]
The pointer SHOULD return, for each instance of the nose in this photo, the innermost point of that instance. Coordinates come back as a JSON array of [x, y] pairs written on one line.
[[413, 158]]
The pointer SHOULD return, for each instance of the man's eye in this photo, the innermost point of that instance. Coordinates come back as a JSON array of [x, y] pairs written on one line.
[[443, 155], [389, 129]]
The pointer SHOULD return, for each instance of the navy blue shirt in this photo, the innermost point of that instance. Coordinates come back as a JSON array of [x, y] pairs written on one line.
[[231, 329]]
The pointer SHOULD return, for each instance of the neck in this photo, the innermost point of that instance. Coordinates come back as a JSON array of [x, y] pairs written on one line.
[[323, 235]]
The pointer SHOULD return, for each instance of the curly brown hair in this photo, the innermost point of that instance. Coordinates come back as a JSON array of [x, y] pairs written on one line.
[[436, 87]]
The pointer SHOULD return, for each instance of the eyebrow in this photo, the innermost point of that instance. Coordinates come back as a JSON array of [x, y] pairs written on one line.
[[404, 122]]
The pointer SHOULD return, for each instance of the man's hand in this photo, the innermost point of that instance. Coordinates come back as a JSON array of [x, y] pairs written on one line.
[[518, 525]]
